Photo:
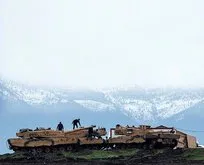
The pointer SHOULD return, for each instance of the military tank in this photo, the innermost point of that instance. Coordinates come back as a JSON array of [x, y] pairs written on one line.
[[47, 140], [144, 136]]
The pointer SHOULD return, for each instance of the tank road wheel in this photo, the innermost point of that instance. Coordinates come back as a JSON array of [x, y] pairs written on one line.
[[47, 150], [119, 146], [151, 146], [32, 151], [15, 149], [61, 149], [95, 147], [145, 146], [55, 150], [159, 145], [123, 146], [39, 150], [139, 146], [174, 143], [69, 148]]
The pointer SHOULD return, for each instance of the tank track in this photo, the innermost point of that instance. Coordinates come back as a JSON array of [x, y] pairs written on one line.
[[105, 146]]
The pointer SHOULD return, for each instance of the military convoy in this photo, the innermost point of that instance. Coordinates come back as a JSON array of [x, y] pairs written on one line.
[[146, 137]]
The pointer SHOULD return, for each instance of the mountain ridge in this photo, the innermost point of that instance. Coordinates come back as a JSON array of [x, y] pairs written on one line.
[[135, 102]]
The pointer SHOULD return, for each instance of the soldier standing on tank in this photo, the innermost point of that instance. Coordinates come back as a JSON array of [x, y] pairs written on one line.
[[75, 123], [60, 127]]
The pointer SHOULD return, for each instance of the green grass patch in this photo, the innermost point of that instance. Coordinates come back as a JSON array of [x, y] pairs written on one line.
[[194, 154], [98, 154], [18, 155]]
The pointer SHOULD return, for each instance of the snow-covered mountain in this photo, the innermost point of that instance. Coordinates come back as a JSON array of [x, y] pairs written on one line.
[[134, 102], [152, 104]]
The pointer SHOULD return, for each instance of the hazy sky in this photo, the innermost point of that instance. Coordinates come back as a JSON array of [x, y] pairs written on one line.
[[90, 43]]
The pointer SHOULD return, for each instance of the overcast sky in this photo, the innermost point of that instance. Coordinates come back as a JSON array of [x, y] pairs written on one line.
[[90, 43]]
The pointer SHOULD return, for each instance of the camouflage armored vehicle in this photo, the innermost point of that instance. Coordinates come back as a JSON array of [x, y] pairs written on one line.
[[47, 140]]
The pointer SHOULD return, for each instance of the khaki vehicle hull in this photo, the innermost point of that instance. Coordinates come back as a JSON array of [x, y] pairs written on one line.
[[23, 143]]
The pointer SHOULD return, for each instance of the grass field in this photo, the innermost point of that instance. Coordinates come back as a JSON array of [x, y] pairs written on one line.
[[194, 154], [184, 154], [98, 154]]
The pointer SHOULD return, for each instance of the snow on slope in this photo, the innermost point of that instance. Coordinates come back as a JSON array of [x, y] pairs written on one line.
[[135, 102], [31, 95], [154, 104], [95, 105]]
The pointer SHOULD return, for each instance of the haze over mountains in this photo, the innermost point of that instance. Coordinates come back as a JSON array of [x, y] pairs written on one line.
[[27, 106]]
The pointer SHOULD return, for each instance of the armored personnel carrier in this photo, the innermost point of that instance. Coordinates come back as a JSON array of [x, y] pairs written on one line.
[[47, 140]]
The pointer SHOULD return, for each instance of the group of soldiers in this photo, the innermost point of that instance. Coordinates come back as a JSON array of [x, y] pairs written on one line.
[[75, 123]]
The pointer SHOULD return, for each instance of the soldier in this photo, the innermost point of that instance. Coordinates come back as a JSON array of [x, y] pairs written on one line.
[[60, 127], [173, 130], [76, 122]]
